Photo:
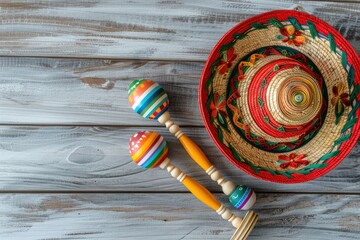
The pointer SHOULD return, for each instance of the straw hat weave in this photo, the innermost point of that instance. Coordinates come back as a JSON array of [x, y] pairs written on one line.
[[279, 95]]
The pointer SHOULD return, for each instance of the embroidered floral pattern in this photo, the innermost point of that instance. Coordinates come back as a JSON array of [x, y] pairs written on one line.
[[290, 164], [218, 105], [226, 60], [293, 161], [340, 99], [291, 36], [218, 110]]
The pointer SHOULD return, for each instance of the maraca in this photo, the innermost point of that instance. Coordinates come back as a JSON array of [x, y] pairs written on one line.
[[149, 99], [149, 150]]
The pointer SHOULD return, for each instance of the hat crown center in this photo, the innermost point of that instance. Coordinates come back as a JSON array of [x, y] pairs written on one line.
[[299, 97]]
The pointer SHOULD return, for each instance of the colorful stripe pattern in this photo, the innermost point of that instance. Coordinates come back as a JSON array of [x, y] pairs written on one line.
[[148, 149], [242, 197], [148, 98]]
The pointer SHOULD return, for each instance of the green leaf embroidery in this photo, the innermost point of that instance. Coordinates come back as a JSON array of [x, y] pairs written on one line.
[[214, 65], [344, 60], [351, 76], [354, 109], [276, 67], [221, 98], [210, 80], [330, 155], [236, 84], [210, 99], [354, 93], [266, 119], [220, 134], [261, 102], [222, 121], [317, 165], [263, 83], [339, 110], [276, 22], [295, 23], [281, 147], [349, 124], [307, 137], [342, 139], [226, 47], [279, 37], [239, 36], [253, 167], [281, 129], [284, 174], [284, 52], [332, 42], [257, 25], [268, 170], [224, 56], [312, 29], [235, 153], [304, 171]]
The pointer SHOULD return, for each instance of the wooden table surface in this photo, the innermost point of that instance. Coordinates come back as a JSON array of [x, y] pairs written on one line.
[[65, 124]]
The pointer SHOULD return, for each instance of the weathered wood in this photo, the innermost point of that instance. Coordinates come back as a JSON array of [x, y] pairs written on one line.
[[172, 216], [173, 38], [97, 159], [175, 30], [91, 92]]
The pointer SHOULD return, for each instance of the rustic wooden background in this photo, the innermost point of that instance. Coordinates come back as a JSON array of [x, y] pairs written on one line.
[[65, 124]]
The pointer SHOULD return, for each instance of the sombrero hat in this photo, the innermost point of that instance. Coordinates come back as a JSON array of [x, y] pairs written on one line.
[[279, 95]]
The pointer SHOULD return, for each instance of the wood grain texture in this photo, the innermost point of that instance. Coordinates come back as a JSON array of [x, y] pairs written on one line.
[[172, 216], [176, 30], [97, 159], [91, 92], [93, 49]]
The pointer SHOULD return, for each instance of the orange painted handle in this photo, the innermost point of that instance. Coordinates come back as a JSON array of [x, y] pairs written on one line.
[[195, 152], [201, 193]]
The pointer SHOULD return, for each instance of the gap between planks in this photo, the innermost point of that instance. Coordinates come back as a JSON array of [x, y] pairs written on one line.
[[93, 125], [162, 192], [165, 60], [118, 216], [108, 36]]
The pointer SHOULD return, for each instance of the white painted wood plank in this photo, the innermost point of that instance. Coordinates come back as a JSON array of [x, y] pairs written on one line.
[[96, 159], [172, 216], [143, 29], [91, 92]]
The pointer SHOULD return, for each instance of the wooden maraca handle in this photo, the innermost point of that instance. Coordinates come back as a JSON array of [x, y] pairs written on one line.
[[191, 148], [195, 152], [149, 99], [201, 193], [150, 150], [200, 158], [241, 197]]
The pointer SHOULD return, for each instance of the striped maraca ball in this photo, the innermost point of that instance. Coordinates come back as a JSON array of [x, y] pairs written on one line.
[[242, 198], [148, 98], [148, 149]]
